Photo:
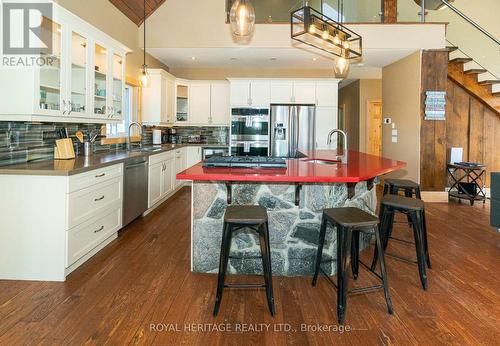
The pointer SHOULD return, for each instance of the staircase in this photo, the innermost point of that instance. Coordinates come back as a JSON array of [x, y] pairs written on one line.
[[474, 78]]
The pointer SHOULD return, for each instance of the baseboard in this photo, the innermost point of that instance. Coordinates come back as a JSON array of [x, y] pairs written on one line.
[[435, 196]]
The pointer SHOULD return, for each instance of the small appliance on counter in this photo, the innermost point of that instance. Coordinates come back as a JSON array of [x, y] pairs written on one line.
[[172, 136], [156, 137]]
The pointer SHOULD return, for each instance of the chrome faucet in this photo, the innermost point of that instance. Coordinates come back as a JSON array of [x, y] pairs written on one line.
[[129, 143], [344, 157]]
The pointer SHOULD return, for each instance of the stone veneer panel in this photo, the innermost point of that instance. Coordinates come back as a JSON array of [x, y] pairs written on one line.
[[294, 230]]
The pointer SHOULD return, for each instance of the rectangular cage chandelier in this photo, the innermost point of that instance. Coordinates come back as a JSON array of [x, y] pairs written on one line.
[[314, 29]]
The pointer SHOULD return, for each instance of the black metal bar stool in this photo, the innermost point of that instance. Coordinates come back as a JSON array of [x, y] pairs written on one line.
[[415, 210], [349, 221], [410, 188], [255, 218]]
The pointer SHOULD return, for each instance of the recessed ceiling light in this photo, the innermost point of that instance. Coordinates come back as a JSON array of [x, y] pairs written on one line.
[[273, 59], [193, 58], [314, 59], [360, 64]]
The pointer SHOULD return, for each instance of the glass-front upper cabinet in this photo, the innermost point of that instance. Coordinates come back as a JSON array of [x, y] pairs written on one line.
[[182, 102], [50, 74], [78, 78], [118, 87], [100, 80]]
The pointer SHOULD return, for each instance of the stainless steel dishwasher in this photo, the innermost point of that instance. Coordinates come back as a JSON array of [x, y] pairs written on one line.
[[135, 189]]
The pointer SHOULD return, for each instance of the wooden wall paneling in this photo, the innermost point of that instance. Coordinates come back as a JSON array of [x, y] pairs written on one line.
[[491, 142], [476, 131], [433, 133], [390, 11], [457, 119]]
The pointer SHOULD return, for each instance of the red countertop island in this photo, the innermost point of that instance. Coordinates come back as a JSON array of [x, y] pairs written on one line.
[[360, 167]]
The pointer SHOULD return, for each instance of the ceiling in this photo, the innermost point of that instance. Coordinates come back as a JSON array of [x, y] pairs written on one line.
[[269, 58], [134, 9]]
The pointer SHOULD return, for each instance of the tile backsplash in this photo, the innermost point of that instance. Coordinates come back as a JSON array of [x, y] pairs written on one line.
[[22, 142], [193, 134], [25, 141]]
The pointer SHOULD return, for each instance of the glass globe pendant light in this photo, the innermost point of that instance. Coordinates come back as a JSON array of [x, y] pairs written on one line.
[[145, 79], [341, 67], [242, 18]]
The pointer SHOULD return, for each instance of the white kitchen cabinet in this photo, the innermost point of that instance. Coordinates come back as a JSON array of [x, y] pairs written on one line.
[[168, 183], [82, 81], [161, 177], [304, 92], [282, 91], [199, 103], [327, 94], [158, 99], [180, 163], [65, 227], [250, 93], [193, 156], [219, 103], [260, 93], [155, 183], [240, 93], [326, 120]]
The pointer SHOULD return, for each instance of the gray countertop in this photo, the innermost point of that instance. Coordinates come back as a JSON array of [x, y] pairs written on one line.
[[83, 164]]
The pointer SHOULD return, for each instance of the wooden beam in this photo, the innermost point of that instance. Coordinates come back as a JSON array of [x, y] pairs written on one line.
[[390, 11]]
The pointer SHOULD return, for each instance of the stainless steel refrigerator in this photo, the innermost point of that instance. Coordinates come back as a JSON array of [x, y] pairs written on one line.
[[292, 128]]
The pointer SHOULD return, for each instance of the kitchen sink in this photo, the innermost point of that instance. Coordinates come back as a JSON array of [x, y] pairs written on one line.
[[322, 162], [146, 149]]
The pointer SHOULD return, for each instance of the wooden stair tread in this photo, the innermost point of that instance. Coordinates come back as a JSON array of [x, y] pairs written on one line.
[[496, 93], [451, 48], [461, 60], [475, 70], [488, 82]]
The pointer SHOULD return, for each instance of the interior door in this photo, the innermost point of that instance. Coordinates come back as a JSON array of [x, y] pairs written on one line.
[[374, 127]]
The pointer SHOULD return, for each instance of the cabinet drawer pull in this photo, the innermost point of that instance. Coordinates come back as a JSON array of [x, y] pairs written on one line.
[[100, 175], [99, 199], [98, 230]]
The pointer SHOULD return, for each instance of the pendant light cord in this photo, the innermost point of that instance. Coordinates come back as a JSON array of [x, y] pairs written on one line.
[[144, 33]]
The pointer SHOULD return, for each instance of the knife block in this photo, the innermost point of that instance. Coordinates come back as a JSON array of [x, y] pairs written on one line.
[[64, 149]]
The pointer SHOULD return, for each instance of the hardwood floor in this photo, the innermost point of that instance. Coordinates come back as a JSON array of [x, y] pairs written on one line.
[[143, 279]]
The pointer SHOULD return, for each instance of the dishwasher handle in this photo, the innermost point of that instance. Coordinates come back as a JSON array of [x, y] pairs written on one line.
[[135, 165]]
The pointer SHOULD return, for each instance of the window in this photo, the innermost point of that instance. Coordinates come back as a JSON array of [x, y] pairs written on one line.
[[129, 114]]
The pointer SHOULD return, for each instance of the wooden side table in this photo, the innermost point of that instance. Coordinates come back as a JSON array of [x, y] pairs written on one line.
[[471, 174]]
